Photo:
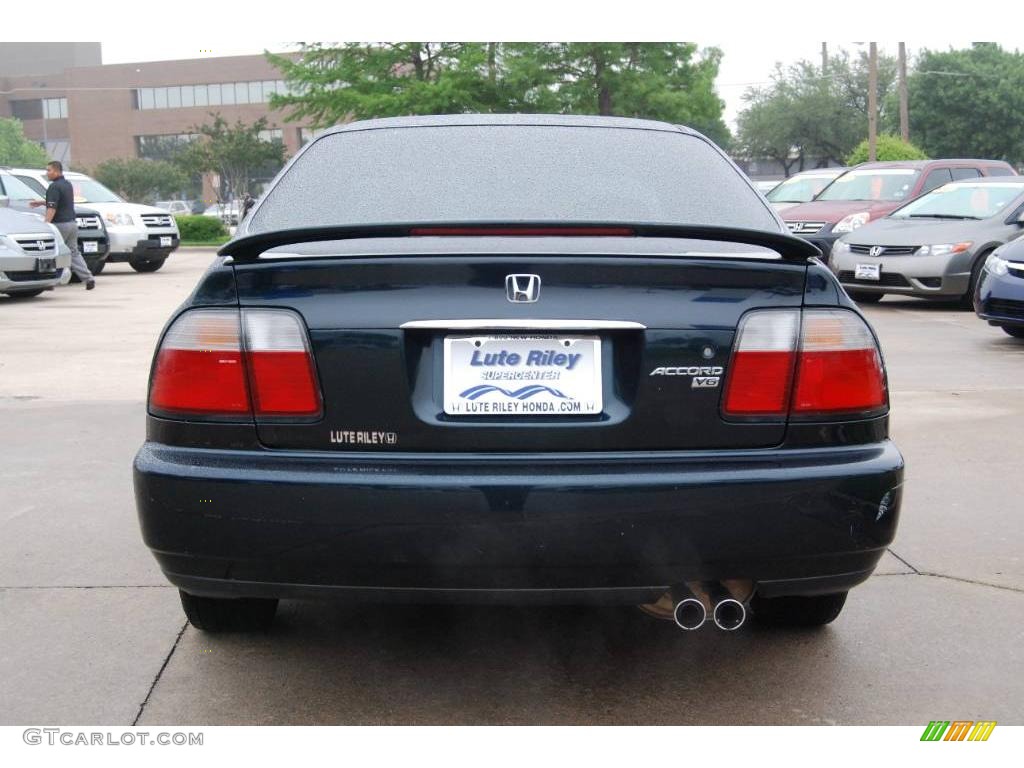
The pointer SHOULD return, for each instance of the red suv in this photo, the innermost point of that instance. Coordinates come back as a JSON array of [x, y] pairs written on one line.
[[871, 190]]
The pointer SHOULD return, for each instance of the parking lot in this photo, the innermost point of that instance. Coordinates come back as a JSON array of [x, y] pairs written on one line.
[[90, 633]]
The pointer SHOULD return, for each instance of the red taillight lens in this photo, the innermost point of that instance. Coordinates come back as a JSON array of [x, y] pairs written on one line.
[[210, 365], [762, 364], [839, 367], [199, 369], [280, 364], [830, 353]]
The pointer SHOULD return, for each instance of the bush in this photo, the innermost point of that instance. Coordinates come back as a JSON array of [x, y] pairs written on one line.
[[138, 180], [889, 148], [201, 229]]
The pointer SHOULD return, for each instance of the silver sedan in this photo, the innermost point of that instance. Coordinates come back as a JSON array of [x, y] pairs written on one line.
[[935, 245]]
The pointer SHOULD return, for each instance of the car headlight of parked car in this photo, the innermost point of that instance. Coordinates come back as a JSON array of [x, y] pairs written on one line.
[[841, 246], [851, 222], [942, 249], [119, 219], [996, 265]]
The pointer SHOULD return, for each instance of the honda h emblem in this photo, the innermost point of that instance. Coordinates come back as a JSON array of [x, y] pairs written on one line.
[[522, 289], [876, 250]]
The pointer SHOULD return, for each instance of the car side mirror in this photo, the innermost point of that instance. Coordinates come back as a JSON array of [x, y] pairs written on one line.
[[5, 201]]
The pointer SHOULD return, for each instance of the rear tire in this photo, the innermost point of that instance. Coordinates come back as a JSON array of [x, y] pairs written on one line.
[[216, 614], [146, 265], [864, 297], [25, 294], [1017, 331], [796, 611]]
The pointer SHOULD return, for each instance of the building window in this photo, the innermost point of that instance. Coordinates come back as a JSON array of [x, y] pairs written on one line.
[[272, 134], [55, 109], [27, 109], [162, 146], [208, 94]]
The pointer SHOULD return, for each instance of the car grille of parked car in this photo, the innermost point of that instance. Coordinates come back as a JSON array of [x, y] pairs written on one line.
[[1005, 308], [36, 244], [155, 220], [887, 250], [888, 279], [24, 276], [88, 222], [805, 227]]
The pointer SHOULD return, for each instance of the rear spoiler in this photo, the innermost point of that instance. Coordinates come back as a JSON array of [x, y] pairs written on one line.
[[250, 247]]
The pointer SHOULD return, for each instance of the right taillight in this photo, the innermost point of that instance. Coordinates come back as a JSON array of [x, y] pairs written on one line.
[[839, 369], [821, 362], [220, 364]]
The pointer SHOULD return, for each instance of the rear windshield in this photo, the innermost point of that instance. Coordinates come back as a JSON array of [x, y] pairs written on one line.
[[883, 184], [962, 200], [509, 173]]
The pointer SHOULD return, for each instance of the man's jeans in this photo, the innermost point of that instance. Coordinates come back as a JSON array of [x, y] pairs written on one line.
[[69, 231]]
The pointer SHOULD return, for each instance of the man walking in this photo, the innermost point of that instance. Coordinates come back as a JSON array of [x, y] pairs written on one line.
[[60, 211]]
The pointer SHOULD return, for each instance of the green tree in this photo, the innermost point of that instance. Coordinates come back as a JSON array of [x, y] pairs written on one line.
[[820, 114], [141, 180], [888, 148], [969, 102], [15, 149], [329, 84], [237, 153]]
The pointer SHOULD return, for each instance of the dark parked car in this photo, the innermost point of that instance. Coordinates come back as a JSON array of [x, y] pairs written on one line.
[[933, 247], [517, 358], [92, 234], [1000, 295], [872, 190]]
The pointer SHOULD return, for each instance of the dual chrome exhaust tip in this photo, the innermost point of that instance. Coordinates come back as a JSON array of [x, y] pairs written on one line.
[[691, 613]]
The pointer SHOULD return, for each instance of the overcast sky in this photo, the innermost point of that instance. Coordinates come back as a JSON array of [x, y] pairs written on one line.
[[744, 63]]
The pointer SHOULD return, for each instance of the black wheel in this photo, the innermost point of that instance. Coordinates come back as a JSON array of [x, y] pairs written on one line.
[[864, 297], [812, 611], [25, 294], [1017, 331], [967, 300], [241, 614], [96, 264], [146, 265]]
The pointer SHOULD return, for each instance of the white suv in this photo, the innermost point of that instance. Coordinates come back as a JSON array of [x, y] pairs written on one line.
[[142, 235]]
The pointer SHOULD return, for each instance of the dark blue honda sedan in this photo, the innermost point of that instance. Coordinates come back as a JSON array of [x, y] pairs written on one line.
[[1000, 295], [518, 358]]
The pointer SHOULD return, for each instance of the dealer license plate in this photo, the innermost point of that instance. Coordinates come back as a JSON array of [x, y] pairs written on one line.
[[46, 265], [165, 242], [868, 272], [90, 246], [513, 375]]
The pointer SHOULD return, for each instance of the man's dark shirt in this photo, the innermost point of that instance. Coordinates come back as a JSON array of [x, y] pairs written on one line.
[[60, 196]]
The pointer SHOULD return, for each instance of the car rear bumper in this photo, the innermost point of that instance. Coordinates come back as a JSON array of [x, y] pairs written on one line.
[[573, 528]]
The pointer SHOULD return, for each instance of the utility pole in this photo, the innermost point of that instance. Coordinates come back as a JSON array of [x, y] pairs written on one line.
[[824, 59], [904, 100], [873, 101]]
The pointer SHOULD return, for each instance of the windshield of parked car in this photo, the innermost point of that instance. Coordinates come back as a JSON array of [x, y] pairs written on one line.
[[16, 189], [962, 201], [881, 184], [508, 173], [800, 189], [91, 191]]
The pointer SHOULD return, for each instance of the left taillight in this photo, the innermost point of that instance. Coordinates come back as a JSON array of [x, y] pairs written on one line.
[[217, 364]]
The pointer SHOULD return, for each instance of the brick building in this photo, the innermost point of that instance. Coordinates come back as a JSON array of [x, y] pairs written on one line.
[[85, 112]]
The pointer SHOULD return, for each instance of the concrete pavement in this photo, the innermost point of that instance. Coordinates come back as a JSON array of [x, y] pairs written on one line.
[[91, 634]]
